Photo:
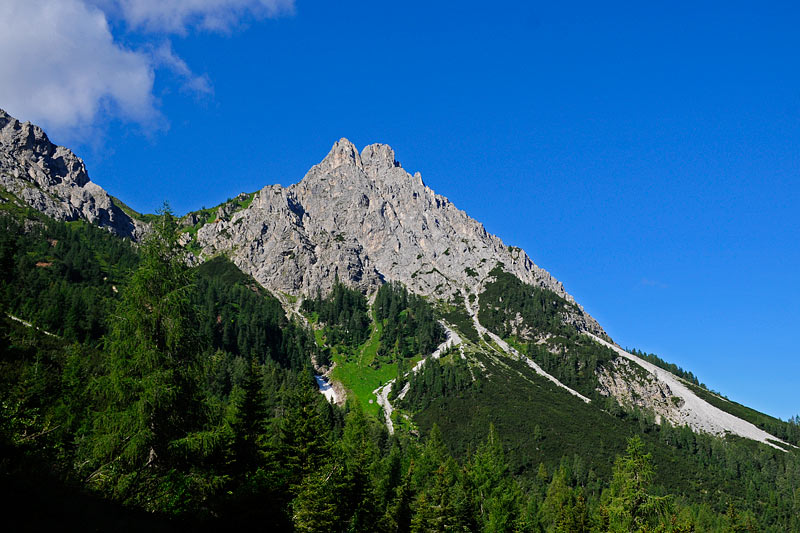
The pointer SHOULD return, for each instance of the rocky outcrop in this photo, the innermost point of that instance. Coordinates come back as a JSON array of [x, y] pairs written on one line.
[[643, 384], [54, 181], [362, 218], [634, 387]]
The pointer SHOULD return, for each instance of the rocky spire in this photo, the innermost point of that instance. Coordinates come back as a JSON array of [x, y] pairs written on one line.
[[54, 180], [379, 156], [367, 219], [343, 153]]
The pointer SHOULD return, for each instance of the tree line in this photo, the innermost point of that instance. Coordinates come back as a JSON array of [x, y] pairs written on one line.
[[186, 410]]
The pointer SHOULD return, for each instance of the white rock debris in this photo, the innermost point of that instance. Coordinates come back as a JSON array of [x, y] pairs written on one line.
[[473, 312], [692, 410], [382, 393]]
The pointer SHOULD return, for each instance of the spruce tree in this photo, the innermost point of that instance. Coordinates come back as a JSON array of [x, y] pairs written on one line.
[[628, 503], [149, 400], [250, 420]]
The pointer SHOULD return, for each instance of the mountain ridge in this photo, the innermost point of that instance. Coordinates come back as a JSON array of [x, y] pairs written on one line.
[[364, 211], [359, 218], [53, 180]]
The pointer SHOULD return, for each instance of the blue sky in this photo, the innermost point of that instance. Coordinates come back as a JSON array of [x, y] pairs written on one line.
[[649, 157]]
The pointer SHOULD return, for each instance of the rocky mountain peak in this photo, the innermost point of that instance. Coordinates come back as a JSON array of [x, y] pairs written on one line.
[[4, 118], [377, 156], [343, 153], [30, 142], [54, 180], [363, 218]]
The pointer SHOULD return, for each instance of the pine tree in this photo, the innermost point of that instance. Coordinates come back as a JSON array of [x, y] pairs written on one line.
[[397, 518], [317, 506], [250, 420], [496, 495], [301, 445], [359, 456], [149, 395], [444, 505], [630, 507]]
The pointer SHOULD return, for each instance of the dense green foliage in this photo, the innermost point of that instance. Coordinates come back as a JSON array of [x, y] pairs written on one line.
[[409, 327], [506, 297], [148, 405], [438, 378], [344, 311], [61, 277], [189, 402], [541, 424], [574, 362], [531, 318], [239, 317]]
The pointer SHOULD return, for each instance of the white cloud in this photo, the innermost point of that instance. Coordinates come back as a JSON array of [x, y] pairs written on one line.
[[178, 16], [163, 56], [60, 67], [645, 282]]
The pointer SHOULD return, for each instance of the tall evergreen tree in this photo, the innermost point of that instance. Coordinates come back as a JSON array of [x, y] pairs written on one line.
[[250, 420], [149, 394], [630, 506]]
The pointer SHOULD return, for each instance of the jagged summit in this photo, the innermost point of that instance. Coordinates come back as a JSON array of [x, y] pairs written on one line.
[[379, 155], [363, 218], [53, 180], [345, 154]]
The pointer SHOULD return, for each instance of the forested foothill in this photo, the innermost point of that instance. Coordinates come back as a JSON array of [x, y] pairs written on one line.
[[136, 392]]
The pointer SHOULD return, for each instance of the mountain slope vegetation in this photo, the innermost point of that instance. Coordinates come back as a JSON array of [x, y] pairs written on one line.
[[160, 372], [501, 448]]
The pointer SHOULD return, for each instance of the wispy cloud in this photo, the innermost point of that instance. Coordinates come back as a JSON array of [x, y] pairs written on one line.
[[182, 16], [653, 283], [163, 56], [63, 67]]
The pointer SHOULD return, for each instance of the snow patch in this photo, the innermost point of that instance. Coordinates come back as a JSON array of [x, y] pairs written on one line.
[[326, 388]]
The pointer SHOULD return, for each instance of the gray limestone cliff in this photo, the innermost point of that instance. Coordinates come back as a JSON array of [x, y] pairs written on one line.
[[362, 218], [53, 180], [358, 217]]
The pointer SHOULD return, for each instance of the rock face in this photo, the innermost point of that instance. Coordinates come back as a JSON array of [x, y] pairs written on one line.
[[361, 218], [634, 381], [54, 181], [364, 219], [633, 386]]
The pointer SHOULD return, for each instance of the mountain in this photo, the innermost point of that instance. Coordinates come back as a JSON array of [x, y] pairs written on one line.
[[53, 180], [362, 219], [464, 374]]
